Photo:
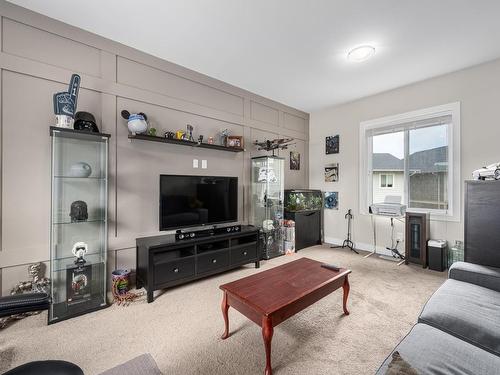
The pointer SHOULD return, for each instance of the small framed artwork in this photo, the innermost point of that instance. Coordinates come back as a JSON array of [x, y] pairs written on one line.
[[294, 161], [331, 201], [235, 141], [332, 172], [332, 144]]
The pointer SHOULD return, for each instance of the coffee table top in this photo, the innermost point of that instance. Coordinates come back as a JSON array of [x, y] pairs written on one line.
[[270, 290]]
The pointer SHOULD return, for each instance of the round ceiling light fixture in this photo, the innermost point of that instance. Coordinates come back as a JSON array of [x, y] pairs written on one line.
[[361, 53]]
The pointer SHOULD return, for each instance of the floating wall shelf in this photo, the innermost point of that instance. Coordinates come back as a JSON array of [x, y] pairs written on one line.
[[152, 138]]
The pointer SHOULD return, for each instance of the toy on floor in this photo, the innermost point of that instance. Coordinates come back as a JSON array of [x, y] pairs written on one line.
[[120, 289]]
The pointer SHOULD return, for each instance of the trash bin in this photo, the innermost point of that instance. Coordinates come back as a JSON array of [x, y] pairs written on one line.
[[437, 254]]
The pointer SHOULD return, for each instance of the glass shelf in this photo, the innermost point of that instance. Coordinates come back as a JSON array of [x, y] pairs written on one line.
[[81, 178], [75, 289], [63, 264], [79, 222]]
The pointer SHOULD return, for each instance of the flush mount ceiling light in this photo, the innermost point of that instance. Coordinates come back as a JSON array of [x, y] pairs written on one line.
[[361, 53]]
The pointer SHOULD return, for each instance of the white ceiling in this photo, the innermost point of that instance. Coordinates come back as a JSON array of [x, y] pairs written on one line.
[[294, 51]]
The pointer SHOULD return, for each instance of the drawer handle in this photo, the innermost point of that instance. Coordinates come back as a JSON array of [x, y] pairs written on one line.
[[214, 260], [245, 253], [176, 270]]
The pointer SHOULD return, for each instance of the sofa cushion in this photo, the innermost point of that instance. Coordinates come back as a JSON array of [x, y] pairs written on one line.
[[431, 351], [467, 311], [489, 277]]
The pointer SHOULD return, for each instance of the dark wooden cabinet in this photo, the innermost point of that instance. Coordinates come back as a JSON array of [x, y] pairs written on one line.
[[163, 262], [417, 235], [307, 227], [305, 208], [482, 223]]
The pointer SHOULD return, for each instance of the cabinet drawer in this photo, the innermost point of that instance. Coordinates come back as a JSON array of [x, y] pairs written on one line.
[[170, 271], [240, 254], [209, 262]]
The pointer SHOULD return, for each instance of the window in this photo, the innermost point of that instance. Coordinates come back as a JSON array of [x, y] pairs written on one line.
[[386, 180], [415, 156]]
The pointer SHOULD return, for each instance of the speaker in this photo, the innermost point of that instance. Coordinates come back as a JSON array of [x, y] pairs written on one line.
[[189, 235]]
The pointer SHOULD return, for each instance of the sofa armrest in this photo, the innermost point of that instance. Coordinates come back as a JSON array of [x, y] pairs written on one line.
[[488, 277]]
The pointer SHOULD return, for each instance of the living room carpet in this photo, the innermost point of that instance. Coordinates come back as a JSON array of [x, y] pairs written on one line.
[[182, 327]]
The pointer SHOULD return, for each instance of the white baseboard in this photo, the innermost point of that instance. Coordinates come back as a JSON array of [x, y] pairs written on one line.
[[360, 246]]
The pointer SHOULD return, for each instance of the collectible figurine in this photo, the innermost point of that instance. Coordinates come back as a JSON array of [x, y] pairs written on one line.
[[136, 122], [78, 211], [80, 249], [275, 144], [65, 103], [189, 133], [223, 137], [37, 284]]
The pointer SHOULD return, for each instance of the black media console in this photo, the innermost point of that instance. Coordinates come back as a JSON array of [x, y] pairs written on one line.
[[163, 261]]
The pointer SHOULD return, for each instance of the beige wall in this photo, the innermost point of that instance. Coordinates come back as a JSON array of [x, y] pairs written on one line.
[[38, 56], [478, 90]]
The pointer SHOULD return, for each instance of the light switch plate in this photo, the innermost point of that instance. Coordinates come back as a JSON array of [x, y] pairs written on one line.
[[203, 164], [195, 163]]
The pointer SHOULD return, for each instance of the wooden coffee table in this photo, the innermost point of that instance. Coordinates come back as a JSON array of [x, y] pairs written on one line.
[[270, 297]]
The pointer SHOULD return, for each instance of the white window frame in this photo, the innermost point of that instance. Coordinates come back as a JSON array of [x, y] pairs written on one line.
[[453, 213], [386, 175]]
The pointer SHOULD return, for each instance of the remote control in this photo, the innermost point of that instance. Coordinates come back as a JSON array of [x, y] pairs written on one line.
[[330, 267]]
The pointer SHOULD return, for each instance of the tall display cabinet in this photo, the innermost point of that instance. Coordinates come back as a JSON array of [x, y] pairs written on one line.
[[267, 180], [78, 230]]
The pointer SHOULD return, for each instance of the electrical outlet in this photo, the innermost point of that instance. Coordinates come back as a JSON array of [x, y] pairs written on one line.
[[204, 164], [195, 163]]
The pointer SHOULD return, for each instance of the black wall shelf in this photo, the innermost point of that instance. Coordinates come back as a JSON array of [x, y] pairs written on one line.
[[152, 138]]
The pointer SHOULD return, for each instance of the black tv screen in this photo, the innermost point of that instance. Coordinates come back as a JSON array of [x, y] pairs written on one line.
[[187, 201]]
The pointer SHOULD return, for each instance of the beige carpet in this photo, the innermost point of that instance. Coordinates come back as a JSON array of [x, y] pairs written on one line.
[[181, 329]]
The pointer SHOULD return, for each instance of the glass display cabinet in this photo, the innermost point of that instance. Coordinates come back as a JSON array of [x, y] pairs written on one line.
[[78, 233], [267, 179]]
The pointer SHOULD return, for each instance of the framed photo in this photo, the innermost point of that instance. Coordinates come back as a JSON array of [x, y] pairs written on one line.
[[235, 141], [332, 144], [294, 161], [331, 201], [332, 172]]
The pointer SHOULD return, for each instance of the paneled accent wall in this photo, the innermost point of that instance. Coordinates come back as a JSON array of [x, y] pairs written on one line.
[[38, 56]]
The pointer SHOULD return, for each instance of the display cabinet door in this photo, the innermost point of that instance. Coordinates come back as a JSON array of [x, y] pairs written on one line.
[[78, 220]]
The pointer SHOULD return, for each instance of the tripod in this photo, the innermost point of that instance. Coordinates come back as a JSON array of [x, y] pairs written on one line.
[[347, 242]]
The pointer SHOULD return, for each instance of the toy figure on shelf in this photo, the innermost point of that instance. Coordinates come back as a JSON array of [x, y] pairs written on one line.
[[189, 133], [136, 122], [223, 137]]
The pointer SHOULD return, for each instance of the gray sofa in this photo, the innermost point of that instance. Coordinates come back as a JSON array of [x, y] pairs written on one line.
[[458, 330]]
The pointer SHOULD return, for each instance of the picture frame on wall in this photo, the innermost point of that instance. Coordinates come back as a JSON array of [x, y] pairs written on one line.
[[332, 144], [332, 172], [294, 161], [235, 141], [331, 200]]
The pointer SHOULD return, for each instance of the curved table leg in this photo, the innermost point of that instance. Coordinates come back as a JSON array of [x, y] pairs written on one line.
[[346, 288], [267, 334], [225, 308]]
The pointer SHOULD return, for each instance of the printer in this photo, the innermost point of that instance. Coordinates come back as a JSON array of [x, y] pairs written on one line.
[[391, 207]]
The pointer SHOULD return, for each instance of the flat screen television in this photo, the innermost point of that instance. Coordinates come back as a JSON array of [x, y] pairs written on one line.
[[187, 201]]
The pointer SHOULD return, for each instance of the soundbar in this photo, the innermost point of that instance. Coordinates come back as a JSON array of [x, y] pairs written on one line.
[[182, 235]]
